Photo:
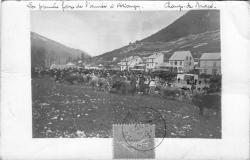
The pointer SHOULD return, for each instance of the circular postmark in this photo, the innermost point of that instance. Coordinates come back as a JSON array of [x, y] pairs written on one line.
[[141, 126]]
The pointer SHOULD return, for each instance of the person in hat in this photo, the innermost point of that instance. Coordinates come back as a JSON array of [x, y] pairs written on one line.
[[152, 86]]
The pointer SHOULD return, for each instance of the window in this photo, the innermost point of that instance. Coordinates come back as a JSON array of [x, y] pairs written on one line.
[[180, 62], [205, 71], [214, 64], [175, 62], [171, 62], [186, 57]]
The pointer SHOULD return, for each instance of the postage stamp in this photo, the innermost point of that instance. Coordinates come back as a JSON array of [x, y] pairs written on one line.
[[133, 141]]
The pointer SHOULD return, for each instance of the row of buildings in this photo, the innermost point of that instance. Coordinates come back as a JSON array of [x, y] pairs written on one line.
[[180, 62]]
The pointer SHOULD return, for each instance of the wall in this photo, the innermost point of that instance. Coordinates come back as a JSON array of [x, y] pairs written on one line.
[[209, 65]]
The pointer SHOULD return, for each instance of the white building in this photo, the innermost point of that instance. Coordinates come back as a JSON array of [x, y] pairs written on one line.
[[114, 59], [63, 66], [210, 63], [139, 67], [154, 60], [130, 62], [181, 61]]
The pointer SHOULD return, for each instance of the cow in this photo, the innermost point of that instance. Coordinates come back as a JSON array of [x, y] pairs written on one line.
[[208, 101], [171, 92], [93, 81], [103, 84], [71, 78], [122, 87]]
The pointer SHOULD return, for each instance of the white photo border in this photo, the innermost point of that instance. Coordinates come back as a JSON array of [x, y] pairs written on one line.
[[16, 116]]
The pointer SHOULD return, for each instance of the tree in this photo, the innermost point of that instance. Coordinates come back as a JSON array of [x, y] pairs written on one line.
[[82, 57], [215, 83], [78, 58], [38, 57], [69, 59]]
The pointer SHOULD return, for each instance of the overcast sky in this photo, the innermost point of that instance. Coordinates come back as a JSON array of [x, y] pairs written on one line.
[[99, 32]]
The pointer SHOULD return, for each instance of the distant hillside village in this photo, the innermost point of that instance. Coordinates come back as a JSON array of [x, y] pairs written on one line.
[[181, 47], [178, 62], [164, 60]]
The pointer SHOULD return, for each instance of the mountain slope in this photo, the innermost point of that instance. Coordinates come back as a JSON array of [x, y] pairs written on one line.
[[45, 51], [197, 31], [193, 22]]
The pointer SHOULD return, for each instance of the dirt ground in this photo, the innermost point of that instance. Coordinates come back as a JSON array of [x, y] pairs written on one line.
[[64, 110]]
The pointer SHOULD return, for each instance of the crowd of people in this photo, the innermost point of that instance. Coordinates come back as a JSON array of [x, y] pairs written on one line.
[[125, 82]]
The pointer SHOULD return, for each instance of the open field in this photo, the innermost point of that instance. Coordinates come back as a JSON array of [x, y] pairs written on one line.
[[64, 110]]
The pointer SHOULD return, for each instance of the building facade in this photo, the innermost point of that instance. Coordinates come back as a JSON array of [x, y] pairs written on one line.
[[130, 62], [153, 61], [210, 63], [181, 61]]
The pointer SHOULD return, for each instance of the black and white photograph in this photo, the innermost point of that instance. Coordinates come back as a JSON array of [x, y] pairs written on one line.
[[91, 70], [124, 80]]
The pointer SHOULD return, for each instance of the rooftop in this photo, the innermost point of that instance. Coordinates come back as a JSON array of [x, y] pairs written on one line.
[[210, 56], [180, 55], [154, 55]]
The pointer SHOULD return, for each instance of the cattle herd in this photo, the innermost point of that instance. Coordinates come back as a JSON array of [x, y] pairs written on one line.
[[145, 83]]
